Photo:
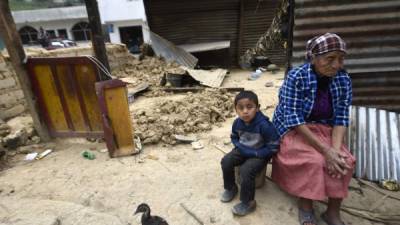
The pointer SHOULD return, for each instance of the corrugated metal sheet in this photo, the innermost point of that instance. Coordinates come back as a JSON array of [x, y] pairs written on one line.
[[374, 139], [189, 22], [258, 16], [171, 52], [371, 29]]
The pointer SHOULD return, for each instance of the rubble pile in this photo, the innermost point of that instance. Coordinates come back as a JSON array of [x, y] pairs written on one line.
[[195, 113], [17, 132], [149, 69]]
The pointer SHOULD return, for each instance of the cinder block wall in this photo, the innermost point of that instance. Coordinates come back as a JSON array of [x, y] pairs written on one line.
[[11, 97], [12, 101]]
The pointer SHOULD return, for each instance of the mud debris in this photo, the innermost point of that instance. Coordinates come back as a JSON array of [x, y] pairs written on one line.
[[196, 112], [149, 69]]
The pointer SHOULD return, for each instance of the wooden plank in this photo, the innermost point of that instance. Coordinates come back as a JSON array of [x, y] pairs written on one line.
[[118, 113], [117, 124], [71, 98], [86, 79], [51, 100], [57, 85]]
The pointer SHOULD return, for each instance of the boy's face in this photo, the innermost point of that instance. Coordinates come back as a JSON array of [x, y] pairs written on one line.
[[246, 109]]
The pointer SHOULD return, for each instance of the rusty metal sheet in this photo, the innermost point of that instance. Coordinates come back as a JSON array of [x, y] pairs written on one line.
[[117, 123], [371, 30], [66, 95], [374, 139]]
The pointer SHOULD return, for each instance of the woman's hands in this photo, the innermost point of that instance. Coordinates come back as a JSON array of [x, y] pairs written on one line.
[[335, 162], [335, 159]]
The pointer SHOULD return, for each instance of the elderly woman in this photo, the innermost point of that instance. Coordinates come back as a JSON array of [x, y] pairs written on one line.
[[311, 118]]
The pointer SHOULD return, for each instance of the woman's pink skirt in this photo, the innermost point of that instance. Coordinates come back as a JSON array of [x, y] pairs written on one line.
[[300, 169]]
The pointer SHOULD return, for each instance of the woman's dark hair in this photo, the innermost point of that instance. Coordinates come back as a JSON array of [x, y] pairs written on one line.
[[246, 94]]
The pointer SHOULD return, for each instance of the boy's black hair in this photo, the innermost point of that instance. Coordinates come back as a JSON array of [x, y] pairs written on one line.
[[246, 94]]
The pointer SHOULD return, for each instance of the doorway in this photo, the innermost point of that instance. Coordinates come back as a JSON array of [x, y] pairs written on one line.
[[132, 37]]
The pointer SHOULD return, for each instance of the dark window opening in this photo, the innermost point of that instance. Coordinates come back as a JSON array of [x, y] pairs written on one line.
[[51, 33], [81, 31], [62, 33], [132, 37], [29, 35]]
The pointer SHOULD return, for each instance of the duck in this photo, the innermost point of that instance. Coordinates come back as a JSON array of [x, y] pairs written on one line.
[[147, 219]]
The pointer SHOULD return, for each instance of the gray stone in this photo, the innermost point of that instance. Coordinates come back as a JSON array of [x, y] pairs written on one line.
[[269, 84], [12, 112], [12, 141], [50, 145], [33, 140], [19, 138], [272, 67], [4, 126], [11, 97], [28, 149], [7, 83], [4, 133], [227, 141]]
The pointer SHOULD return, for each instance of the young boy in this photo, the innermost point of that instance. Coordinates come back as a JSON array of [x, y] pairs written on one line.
[[255, 140]]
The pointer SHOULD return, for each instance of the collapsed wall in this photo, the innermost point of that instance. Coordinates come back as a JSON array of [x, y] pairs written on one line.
[[11, 97]]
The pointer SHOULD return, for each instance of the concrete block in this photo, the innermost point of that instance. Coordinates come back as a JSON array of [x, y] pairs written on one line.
[[12, 112], [6, 99], [16, 139], [9, 73], [9, 98], [67, 54], [3, 66], [82, 52], [18, 94], [7, 83]]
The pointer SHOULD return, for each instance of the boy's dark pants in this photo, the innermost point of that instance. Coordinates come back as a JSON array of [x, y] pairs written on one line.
[[248, 171]]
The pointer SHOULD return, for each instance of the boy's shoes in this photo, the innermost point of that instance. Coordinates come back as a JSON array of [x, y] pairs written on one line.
[[228, 195], [243, 209]]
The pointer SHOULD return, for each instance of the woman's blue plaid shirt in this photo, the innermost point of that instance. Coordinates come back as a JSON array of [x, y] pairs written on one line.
[[298, 93]]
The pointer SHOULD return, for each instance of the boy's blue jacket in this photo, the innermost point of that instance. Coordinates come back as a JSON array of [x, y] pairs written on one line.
[[257, 139]]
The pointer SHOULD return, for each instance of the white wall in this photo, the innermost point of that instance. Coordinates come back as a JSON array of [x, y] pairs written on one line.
[[123, 13], [121, 10]]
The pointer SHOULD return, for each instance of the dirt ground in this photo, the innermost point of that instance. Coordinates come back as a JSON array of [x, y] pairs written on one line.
[[65, 188]]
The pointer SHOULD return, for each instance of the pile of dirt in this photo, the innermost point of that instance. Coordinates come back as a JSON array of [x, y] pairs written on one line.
[[196, 112], [149, 70]]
